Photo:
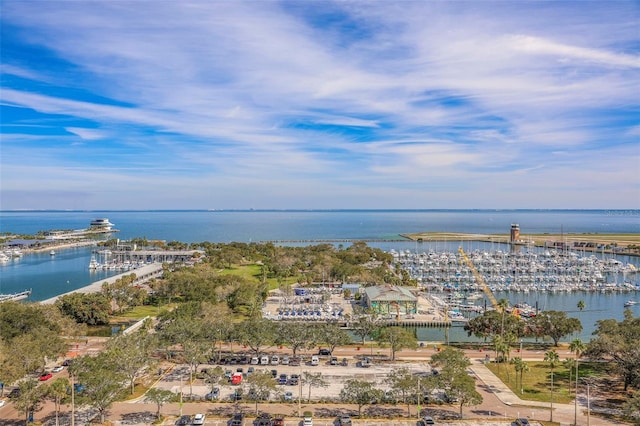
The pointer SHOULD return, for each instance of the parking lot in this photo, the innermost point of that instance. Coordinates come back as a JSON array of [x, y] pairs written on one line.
[[335, 376]]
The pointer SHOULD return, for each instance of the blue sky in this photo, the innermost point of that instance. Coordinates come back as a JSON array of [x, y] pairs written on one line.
[[319, 105]]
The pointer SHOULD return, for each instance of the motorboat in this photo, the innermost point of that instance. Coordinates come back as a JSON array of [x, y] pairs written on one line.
[[93, 263], [630, 303]]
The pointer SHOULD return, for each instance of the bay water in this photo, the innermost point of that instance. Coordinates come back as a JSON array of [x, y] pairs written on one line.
[[49, 276]]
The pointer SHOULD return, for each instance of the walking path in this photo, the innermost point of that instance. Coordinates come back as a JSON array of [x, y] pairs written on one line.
[[143, 275]]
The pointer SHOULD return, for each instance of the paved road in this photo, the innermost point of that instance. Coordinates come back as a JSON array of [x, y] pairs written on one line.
[[499, 406]]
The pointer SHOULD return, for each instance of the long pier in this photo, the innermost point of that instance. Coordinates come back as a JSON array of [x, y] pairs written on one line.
[[143, 275]]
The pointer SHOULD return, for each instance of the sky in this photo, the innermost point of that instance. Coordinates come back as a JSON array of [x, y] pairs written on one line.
[[140, 104]]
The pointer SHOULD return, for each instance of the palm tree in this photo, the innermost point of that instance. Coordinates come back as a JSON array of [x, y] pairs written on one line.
[[552, 357], [581, 305], [503, 304], [520, 366], [578, 347]]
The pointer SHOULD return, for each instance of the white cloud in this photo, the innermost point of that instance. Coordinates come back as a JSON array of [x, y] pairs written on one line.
[[251, 95]]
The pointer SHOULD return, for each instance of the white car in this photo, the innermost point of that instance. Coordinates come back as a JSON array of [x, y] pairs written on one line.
[[198, 419], [2, 402], [308, 421], [57, 368]]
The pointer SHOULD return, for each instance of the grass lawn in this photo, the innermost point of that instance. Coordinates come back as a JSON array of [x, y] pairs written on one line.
[[254, 271], [536, 383]]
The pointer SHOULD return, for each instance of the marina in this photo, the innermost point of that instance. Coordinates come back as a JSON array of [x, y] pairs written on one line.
[[518, 271]]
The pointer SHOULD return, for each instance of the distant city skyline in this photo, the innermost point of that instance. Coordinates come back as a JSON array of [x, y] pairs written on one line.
[[319, 105]]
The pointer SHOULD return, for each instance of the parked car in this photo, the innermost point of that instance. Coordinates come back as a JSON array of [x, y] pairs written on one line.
[[214, 394], [274, 373], [57, 368], [275, 360], [307, 421], [15, 392], [237, 395], [263, 420], [288, 396], [293, 380], [45, 376], [278, 421], [2, 402], [237, 420], [285, 360], [183, 420], [67, 362], [198, 419], [250, 371], [315, 360], [334, 360], [427, 421], [324, 352], [264, 360], [282, 380], [522, 422], [255, 360], [344, 420], [295, 361]]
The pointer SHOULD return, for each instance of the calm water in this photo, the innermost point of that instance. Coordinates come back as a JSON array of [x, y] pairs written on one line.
[[49, 276]]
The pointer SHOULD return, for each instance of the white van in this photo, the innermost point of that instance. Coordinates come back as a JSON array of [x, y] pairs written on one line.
[[264, 360], [315, 360]]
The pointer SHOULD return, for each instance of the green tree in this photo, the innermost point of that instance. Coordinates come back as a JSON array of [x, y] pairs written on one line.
[[159, 397], [132, 351], [30, 398], [631, 408], [256, 333], [295, 335], [86, 308], [521, 367], [213, 377], [555, 324], [552, 357], [313, 380], [57, 391], [403, 383], [359, 392], [366, 324], [333, 336], [262, 384], [398, 338], [618, 342], [102, 381], [463, 388], [578, 347], [195, 352]]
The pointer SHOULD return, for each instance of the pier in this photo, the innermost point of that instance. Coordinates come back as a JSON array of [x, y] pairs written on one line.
[[15, 296], [150, 256], [143, 275]]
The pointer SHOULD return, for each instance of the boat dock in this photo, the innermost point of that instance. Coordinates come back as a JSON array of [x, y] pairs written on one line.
[[143, 275], [15, 296]]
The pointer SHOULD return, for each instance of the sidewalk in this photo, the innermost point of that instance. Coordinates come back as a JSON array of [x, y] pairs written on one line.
[[562, 413]]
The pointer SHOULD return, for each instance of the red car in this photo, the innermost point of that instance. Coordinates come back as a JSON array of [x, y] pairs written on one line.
[[45, 376]]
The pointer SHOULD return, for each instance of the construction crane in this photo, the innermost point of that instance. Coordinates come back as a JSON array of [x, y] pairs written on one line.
[[480, 280]]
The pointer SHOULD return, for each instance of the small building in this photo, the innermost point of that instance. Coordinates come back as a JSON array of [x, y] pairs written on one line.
[[390, 299], [515, 233], [353, 288]]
